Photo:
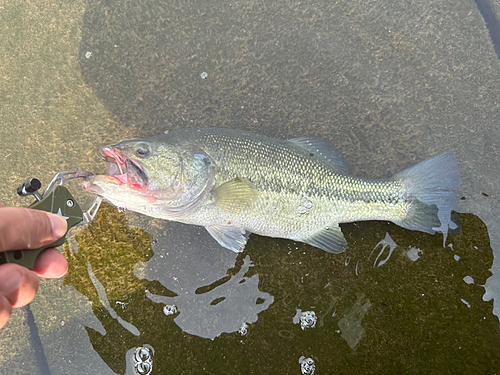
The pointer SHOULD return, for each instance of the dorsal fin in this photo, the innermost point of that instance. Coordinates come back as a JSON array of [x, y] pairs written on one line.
[[323, 150]]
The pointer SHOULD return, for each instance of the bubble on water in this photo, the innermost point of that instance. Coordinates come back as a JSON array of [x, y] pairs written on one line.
[[413, 254], [142, 354], [308, 320], [243, 329], [170, 310], [144, 368], [465, 302], [88, 54], [143, 360], [204, 75], [469, 280], [307, 365]]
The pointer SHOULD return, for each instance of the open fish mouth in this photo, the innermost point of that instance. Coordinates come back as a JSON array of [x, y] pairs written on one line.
[[124, 170]]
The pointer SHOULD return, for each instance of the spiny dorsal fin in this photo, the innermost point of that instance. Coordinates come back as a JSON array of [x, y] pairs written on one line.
[[330, 239], [236, 195], [323, 150]]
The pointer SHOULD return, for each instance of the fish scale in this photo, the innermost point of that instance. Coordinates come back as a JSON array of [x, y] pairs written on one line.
[[234, 183], [276, 168]]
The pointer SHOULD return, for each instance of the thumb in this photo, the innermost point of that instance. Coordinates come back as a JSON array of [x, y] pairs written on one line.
[[25, 228]]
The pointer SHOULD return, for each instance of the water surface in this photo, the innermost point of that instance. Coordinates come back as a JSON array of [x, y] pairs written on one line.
[[389, 84]]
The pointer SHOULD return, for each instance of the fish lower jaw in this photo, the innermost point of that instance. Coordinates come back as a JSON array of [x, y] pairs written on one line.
[[90, 187]]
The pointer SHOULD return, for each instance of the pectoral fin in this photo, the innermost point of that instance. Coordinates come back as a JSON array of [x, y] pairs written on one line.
[[232, 238], [236, 195], [331, 240]]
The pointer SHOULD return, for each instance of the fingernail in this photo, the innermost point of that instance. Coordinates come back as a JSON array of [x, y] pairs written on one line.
[[59, 225], [11, 282]]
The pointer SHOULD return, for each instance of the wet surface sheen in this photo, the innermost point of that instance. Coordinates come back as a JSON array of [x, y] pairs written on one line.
[[389, 84]]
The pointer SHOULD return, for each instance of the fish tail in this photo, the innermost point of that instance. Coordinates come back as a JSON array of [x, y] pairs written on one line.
[[431, 187]]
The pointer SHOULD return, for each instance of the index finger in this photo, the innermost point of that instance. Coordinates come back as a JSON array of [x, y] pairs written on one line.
[[25, 228]]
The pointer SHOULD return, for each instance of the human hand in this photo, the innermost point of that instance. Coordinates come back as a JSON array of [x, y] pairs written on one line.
[[24, 228]]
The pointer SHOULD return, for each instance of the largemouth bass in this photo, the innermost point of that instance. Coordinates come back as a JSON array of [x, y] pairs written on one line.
[[234, 183]]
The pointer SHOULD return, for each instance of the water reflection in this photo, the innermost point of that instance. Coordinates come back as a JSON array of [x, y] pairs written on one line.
[[350, 324], [225, 308], [188, 273], [386, 242], [362, 310], [355, 309], [210, 292], [103, 299], [388, 82]]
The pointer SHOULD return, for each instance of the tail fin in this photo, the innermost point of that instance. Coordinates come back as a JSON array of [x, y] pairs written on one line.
[[431, 185]]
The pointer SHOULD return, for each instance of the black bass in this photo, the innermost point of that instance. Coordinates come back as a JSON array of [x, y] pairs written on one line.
[[235, 182]]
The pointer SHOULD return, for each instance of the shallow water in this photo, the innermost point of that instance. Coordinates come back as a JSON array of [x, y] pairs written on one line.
[[390, 84]]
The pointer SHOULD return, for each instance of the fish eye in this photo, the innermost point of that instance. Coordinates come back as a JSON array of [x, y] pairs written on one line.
[[142, 150]]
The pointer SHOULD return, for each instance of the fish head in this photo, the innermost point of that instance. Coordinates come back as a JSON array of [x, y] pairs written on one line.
[[144, 173]]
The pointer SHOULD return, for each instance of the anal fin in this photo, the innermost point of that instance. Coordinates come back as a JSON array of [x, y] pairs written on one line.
[[330, 239], [232, 238]]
